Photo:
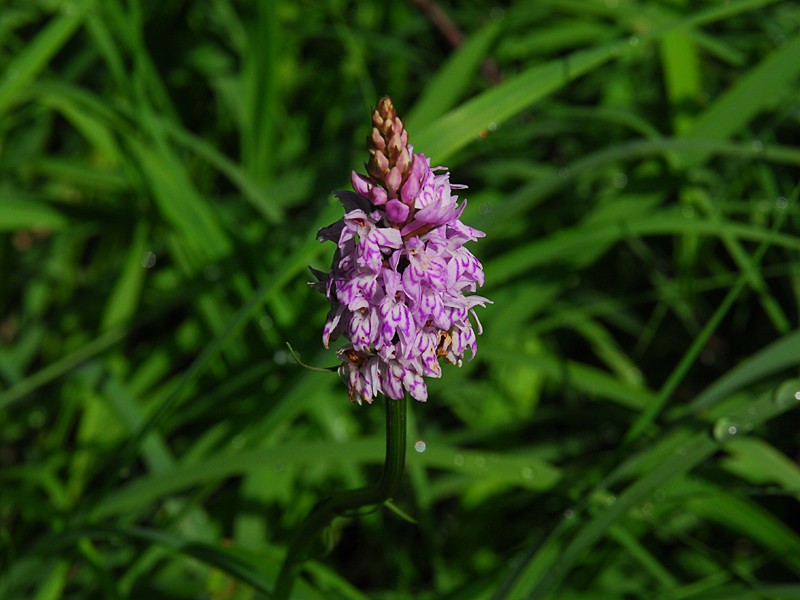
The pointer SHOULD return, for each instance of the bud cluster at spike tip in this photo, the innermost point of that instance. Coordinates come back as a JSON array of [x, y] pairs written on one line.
[[400, 274]]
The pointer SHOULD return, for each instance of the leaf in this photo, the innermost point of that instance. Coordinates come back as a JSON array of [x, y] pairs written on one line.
[[452, 79], [127, 290], [747, 97], [523, 470], [25, 213], [543, 567], [35, 57]]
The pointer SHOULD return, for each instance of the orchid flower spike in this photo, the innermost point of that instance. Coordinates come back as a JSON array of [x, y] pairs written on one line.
[[402, 283]]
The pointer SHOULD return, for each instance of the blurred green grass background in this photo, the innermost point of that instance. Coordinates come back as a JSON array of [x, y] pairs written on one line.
[[629, 428]]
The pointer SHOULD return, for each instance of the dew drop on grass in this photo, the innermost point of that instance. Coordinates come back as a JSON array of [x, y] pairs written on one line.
[[786, 395], [563, 172], [633, 40], [458, 460], [149, 260], [480, 461], [781, 203], [527, 473], [725, 429], [420, 446], [569, 514]]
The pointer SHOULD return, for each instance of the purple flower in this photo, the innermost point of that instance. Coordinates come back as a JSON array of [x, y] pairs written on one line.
[[400, 272]]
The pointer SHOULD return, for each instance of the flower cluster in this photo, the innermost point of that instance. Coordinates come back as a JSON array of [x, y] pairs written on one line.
[[400, 272]]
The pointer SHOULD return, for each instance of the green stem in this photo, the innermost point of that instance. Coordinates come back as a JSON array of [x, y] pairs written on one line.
[[325, 510]]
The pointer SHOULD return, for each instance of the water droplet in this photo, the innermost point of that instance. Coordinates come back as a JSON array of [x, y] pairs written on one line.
[[757, 146], [458, 460], [725, 429], [420, 446], [497, 14], [647, 508], [527, 473], [569, 514], [281, 357], [265, 322], [687, 211], [786, 394], [563, 172], [781, 203], [492, 126], [149, 260], [610, 499], [633, 40], [659, 495], [238, 442], [620, 180], [480, 462]]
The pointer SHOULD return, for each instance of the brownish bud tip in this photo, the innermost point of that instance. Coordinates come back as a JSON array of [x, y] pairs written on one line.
[[386, 108], [376, 140], [388, 147]]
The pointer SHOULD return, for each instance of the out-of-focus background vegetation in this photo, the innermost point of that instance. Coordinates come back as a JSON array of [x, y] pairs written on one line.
[[629, 428]]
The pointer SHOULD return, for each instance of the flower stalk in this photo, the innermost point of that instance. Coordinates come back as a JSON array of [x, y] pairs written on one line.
[[310, 530]]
